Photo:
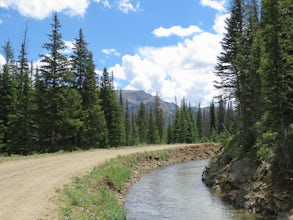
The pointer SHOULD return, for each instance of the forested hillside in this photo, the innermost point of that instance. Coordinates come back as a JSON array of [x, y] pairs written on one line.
[[256, 68], [62, 104], [256, 71]]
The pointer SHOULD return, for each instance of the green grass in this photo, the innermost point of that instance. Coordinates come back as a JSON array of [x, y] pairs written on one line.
[[94, 196]]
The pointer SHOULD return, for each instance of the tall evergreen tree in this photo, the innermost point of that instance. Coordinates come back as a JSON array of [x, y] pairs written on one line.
[[21, 131], [239, 80], [141, 122], [159, 117], [112, 111], [212, 117], [58, 118], [176, 126], [1, 135], [152, 130], [277, 73], [128, 126], [7, 90], [135, 138], [199, 123], [221, 116], [93, 132], [170, 137], [191, 126]]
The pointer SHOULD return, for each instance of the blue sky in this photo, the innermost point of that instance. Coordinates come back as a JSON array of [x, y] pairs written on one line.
[[164, 46]]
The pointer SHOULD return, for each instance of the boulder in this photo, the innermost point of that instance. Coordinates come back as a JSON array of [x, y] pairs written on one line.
[[242, 171]]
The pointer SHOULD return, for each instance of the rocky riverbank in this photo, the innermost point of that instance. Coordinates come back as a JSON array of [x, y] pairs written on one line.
[[247, 183]]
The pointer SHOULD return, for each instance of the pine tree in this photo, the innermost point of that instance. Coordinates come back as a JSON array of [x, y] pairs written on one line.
[[170, 137], [212, 117], [277, 73], [141, 122], [135, 138], [1, 135], [229, 119], [152, 130], [191, 126], [159, 117], [183, 122], [59, 103], [7, 90], [128, 126], [93, 132], [199, 123], [226, 68], [176, 126], [21, 131], [221, 116], [112, 111], [239, 80]]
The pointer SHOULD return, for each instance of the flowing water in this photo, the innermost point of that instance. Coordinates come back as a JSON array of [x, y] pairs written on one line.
[[177, 192]]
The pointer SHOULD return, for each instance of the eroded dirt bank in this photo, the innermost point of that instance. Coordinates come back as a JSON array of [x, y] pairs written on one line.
[[26, 186]]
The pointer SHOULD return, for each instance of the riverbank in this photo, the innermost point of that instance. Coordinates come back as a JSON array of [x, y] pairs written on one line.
[[100, 194], [248, 183]]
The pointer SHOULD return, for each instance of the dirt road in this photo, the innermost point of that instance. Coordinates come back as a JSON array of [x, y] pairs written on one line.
[[26, 186]]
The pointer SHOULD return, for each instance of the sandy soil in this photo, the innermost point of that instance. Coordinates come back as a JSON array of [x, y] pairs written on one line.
[[27, 186]]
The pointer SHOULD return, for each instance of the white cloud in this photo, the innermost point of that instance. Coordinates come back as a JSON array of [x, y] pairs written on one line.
[[219, 5], [105, 3], [69, 47], [220, 23], [126, 6], [182, 70], [40, 9], [111, 51], [2, 60], [1, 21], [176, 30]]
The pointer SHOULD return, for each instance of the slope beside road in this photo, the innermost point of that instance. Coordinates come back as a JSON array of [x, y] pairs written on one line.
[[27, 186]]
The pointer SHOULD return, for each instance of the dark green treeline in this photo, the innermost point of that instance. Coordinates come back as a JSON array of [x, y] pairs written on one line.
[[63, 105], [256, 69]]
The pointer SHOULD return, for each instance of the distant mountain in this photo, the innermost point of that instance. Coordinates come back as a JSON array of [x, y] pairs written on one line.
[[135, 97]]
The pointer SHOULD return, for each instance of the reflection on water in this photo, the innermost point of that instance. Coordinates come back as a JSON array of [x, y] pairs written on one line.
[[177, 192]]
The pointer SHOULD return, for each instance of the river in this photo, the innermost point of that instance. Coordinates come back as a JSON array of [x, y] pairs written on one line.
[[177, 192]]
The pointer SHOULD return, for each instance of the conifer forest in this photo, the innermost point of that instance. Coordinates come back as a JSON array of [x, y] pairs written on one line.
[[62, 104]]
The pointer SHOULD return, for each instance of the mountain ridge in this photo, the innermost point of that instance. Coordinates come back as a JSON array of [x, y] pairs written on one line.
[[135, 97]]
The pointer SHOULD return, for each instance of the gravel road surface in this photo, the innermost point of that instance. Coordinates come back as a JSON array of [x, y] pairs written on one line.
[[28, 185]]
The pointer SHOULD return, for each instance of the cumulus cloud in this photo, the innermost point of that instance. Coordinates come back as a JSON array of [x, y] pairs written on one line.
[[219, 5], [111, 51], [177, 31], [182, 70], [220, 23], [40, 9]]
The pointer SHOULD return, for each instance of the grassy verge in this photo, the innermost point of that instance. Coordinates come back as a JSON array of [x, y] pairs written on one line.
[[99, 194], [96, 195]]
